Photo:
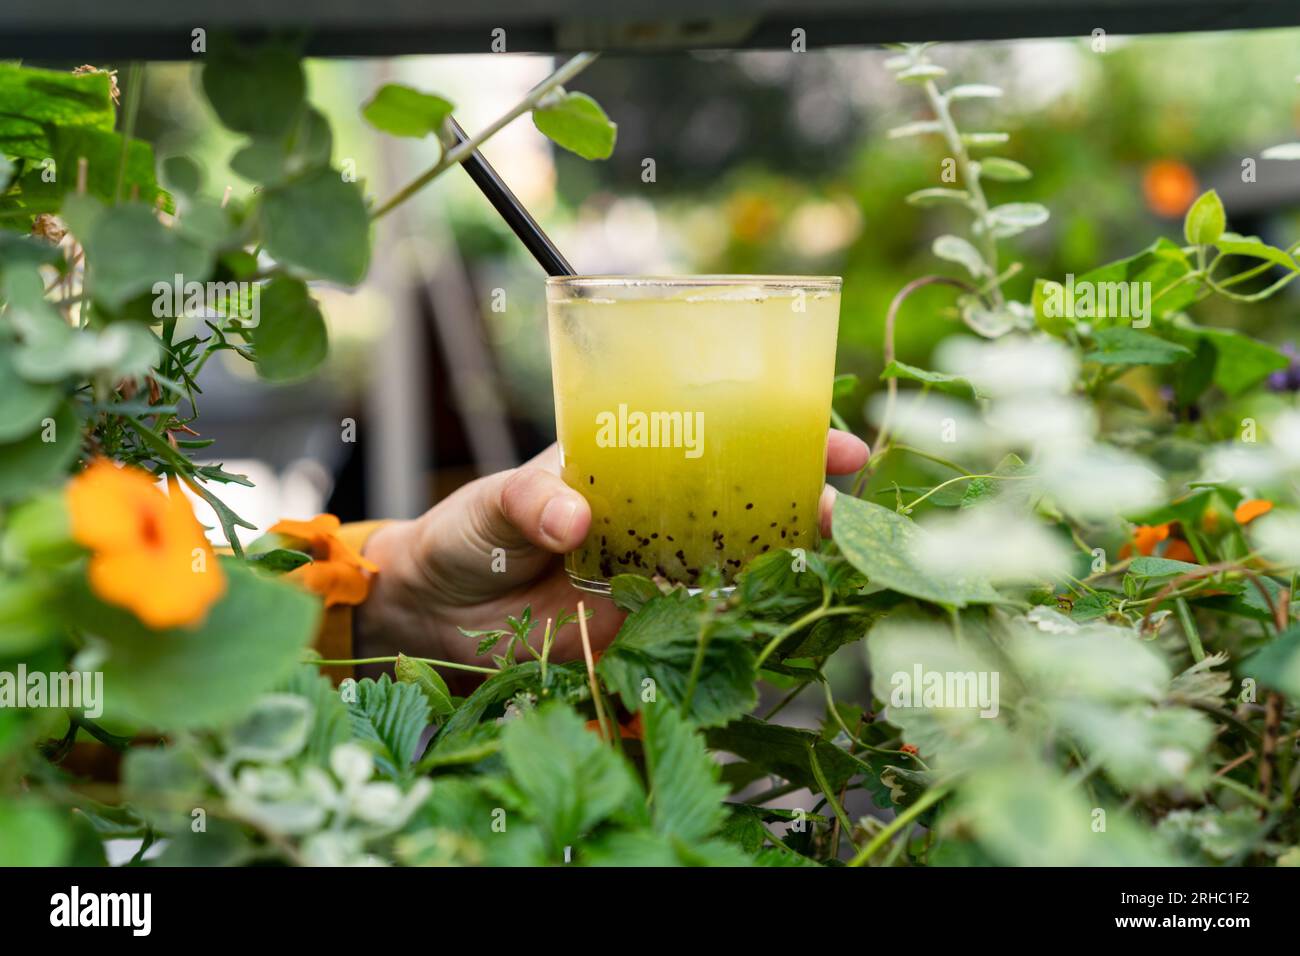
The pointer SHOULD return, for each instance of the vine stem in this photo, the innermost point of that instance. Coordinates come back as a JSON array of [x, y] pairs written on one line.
[[891, 320], [451, 157], [433, 662], [927, 800], [970, 178]]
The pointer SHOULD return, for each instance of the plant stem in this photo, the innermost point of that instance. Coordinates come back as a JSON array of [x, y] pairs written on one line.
[[846, 826], [971, 180], [1189, 628], [433, 662], [927, 800], [907, 508], [134, 86], [451, 157], [810, 617]]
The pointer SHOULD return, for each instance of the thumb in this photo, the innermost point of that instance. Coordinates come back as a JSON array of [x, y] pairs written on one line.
[[528, 512]]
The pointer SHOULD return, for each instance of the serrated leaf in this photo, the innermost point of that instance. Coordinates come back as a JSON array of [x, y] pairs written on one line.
[[389, 717], [571, 780], [952, 384], [659, 642], [880, 544], [685, 795], [1126, 346]]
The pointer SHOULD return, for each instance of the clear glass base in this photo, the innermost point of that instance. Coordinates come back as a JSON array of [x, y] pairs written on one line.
[[592, 586]]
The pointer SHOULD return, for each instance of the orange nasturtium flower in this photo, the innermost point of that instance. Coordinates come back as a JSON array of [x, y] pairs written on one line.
[[1146, 538], [148, 551], [1169, 187], [632, 730], [1248, 511], [337, 572]]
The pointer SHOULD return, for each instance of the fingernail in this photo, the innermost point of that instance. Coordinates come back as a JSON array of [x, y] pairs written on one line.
[[557, 517]]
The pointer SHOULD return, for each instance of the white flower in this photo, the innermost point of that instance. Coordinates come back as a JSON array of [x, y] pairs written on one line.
[[938, 425], [1099, 482], [1014, 365], [992, 543], [1277, 535]]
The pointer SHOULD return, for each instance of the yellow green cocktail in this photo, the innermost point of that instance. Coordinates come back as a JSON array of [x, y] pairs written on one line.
[[692, 414]]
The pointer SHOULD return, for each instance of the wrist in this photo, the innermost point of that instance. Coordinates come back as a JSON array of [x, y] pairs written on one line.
[[387, 621]]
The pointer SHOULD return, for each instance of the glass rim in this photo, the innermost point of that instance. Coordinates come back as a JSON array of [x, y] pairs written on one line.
[[821, 283]]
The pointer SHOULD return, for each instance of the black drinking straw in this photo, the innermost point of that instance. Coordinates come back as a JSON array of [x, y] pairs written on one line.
[[512, 211]]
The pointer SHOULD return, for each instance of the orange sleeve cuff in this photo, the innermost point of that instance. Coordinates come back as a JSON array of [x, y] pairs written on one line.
[[334, 640]]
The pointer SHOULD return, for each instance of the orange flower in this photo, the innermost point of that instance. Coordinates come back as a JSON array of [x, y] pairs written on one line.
[[632, 730], [337, 573], [1145, 539], [1179, 550], [149, 553], [910, 749], [1248, 511], [1169, 187]]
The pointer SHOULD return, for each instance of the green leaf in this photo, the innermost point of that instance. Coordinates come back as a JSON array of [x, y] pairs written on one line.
[[958, 250], [330, 723], [402, 111], [1055, 321], [31, 834], [570, 779], [984, 139], [844, 386], [257, 92], [279, 560], [274, 732], [1243, 362], [1232, 244], [390, 717], [1003, 170], [784, 751], [128, 251], [35, 102], [685, 795], [974, 91], [430, 682], [919, 128], [319, 223], [208, 674], [1205, 220], [1151, 567], [32, 463], [937, 196], [659, 642], [1121, 345], [1277, 664], [1013, 218], [952, 384], [183, 174], [576, 122], [23, 404], [921, 73], [981, 490], [880, 544], [103, 154], [290, 340]]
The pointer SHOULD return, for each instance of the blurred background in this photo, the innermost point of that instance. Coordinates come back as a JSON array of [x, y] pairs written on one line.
[[761, 162]]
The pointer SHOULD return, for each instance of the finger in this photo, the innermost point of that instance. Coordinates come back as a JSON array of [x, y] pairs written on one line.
[[824, 507], [519, 510], [845, 452]]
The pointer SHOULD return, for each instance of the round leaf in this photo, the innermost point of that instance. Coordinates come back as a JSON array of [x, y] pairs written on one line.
[[402, 111], [290, 339], [319, 223]]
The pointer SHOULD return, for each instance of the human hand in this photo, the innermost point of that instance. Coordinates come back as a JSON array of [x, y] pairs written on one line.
[[436, 572]]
